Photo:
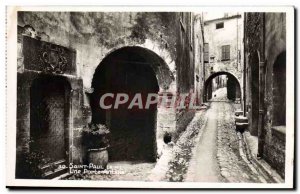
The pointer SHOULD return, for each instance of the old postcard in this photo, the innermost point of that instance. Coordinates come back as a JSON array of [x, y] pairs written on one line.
[[150, 97]]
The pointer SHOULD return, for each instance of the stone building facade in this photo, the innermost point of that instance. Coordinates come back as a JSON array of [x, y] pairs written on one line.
[[67, 60], [265, 72], [199, 58], [224, 47]]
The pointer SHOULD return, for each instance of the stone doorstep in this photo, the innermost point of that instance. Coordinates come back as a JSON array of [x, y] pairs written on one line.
[[241, 127], [238, 113], [241, 119], [241, 124]]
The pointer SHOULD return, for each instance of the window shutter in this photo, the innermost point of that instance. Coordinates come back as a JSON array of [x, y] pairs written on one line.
[[226, 52], [206, 52]]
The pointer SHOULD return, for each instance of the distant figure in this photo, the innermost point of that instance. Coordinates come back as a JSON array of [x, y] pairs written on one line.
[[215, 95]]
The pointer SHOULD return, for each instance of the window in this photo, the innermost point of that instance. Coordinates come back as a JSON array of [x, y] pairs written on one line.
[[225, 52], [206, 53], [220, 25]]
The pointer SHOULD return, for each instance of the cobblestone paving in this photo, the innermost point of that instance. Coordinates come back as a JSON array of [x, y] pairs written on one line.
[[182, 151], [232, 167]]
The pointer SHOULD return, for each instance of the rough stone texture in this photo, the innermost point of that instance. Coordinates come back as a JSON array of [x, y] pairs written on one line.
[[182, 150], [275, 32], [94, 36], [254, 54], [34, 60], [266, 42], [74, 118], [199, 59], [233, 168], [216, 38]]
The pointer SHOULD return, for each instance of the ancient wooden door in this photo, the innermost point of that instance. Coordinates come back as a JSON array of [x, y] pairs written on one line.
[[49, 123]]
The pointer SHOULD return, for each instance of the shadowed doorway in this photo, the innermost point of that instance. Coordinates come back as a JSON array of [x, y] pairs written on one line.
[[222, 83], [49, 122], [133, 131]]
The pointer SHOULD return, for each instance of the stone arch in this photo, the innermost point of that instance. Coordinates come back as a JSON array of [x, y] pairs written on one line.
[[231, 76], [149, 45], [279, 90], [162, 69], [50, 110], [131, 70]]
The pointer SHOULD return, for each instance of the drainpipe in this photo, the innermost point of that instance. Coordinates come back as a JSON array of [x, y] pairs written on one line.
[[261, 138], [244, 66]]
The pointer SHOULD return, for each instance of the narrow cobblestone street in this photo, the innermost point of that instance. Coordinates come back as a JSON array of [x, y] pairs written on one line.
[[194, 95], [233, 168], [204, 166], [217, 157], [209, 150]]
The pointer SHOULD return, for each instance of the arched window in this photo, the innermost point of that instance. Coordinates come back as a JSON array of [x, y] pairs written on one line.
[[279, 90]]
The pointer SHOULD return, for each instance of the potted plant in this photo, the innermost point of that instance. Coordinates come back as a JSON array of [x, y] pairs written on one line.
[[96, 142]]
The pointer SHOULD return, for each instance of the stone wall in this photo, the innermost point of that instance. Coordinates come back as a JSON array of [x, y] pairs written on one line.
[[185, 66], [199, 58], [94, 36], [42, 60], [275, 45], [265, 36], [216, 38], [254, 50], [231, 34]]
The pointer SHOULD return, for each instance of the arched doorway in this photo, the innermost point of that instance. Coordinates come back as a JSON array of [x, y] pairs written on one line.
[[127, 70], [254, 94], [49, 122], [279, 91], [222, 79]]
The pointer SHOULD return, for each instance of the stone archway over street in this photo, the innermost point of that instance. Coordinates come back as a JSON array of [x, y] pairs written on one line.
[[232, 84]]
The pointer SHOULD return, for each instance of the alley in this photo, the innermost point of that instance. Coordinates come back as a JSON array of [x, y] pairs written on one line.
[[203, 165], [216, 156], [193, 96], [208, 150]]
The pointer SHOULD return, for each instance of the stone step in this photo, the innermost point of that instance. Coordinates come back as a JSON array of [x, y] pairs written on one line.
[[241, 119], [241, 126], [238, 112]]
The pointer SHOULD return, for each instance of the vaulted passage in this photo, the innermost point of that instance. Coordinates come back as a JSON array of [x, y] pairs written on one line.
[[222, 86], [133, 131]]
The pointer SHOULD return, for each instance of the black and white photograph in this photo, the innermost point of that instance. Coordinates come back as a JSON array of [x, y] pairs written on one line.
[[157, 97]]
